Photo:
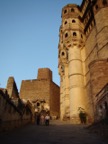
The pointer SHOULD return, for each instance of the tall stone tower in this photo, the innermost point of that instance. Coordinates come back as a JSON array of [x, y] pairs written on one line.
[[83, 53], [70, 62]]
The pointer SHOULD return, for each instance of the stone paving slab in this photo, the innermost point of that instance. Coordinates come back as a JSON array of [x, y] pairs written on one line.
[[56, 133]]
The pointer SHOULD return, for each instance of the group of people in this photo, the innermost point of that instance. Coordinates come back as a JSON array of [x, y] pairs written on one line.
[[43, 119]]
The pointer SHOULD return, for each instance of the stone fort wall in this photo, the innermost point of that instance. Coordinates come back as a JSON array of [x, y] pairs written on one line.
[[35, 89], [42, 88], [96, 47]]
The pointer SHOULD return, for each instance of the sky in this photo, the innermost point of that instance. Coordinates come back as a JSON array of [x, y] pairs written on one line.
[[29, 37]]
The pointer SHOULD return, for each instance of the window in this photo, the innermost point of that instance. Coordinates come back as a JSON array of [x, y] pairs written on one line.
[[73, 21], [66, 35], [63, 53], [65, 22], [38, 104], [74, 34], [65, 11], [72, 10]]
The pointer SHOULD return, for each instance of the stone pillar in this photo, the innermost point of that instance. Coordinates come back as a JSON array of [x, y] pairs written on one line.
[[61, 100], [76, 82], [67, 103]]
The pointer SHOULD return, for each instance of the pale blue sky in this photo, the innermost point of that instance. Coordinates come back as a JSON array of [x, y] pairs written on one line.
[[29, 36]]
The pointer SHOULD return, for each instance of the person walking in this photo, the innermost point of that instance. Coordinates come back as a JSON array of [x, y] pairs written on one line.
[[47, 119], [42, 119], [82, 116], [38, 119]]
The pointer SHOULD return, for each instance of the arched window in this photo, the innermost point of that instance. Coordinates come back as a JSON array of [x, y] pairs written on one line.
[[72, 10], [74, 34], [63, 53], [81, 36], [66, 35], [38, 104], [73, 21], [65, 11], [65, 22]]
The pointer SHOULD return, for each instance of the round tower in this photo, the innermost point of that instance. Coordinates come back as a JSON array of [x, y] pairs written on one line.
[[72, 41], [64, 82]]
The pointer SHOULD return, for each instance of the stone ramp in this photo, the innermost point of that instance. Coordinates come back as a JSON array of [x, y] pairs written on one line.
[[58, 132]]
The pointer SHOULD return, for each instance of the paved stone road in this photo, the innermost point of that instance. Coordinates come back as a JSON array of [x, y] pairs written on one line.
[[57, 133]]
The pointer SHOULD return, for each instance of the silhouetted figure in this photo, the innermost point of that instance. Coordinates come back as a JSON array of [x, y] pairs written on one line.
[[38, 119], [47, 118], [42, 119], [83, 117]]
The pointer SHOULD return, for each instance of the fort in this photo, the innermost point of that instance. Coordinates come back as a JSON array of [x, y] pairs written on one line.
[[83, 70], [83, 59]]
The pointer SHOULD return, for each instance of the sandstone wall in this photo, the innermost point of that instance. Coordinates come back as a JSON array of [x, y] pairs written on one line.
[[99, 76], [96, 49], [35, 89], [44, 73], [102, 32], [55, 99], [12, 116]]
